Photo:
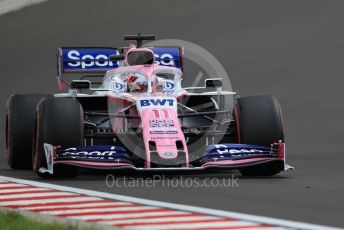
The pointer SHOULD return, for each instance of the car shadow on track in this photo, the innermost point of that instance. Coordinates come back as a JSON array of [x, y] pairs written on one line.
[[222, 174]]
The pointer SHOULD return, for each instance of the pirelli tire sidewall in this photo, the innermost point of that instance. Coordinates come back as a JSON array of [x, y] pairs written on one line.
[[259, 120], [59, 122], [20, 116]]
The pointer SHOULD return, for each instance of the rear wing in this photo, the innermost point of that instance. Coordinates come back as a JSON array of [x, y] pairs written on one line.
[[95, 61]]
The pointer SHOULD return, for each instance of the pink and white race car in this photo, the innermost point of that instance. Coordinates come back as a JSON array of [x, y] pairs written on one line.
[[140, 118]]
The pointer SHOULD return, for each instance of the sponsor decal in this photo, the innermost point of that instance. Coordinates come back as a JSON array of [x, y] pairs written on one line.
[[118, 86], [238, 151], [163, 132], [161, 123], [165, 138], [89, 60], [167, 56], [97, 59], [72, 152], [169, 86], [156, 102], [169, 154], [164, 59]]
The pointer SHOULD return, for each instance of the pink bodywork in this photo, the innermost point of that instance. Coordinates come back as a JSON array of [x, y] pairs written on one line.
[[164, 137], [165, 142]]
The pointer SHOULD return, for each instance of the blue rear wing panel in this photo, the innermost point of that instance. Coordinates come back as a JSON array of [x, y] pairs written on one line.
[[85, 60], [169, 56], [96, 60]]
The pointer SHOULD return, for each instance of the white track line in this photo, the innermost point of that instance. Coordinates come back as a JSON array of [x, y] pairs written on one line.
[[129, 215], [95, 210], [13, 5], [195, 225], [74, 206], [161, 219], [30, 195], [9, 185], [23, 190], [43, 202], [259, 228], [207, 211]]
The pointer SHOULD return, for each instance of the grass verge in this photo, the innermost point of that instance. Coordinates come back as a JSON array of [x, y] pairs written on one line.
[[12, 220]]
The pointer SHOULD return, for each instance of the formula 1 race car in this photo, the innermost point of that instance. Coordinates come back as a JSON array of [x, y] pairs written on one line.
[[140, 118]]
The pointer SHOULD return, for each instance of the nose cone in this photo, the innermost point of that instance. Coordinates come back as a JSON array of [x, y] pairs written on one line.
[[163, 137], [167, 149]]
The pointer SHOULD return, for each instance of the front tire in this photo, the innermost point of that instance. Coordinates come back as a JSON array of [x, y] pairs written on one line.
[[259, 122], [20, 117], [59, 121]]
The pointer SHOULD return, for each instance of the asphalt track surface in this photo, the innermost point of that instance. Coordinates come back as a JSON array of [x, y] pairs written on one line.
[[291, 49]]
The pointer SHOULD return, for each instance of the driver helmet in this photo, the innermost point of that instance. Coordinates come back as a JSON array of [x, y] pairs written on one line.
[[137, 83]]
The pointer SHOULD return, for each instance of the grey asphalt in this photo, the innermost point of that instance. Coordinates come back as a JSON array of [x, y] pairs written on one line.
[[291, 49]]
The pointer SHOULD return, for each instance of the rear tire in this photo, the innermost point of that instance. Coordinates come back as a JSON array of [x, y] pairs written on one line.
[[20, 117], [59, 121], [259, 122]]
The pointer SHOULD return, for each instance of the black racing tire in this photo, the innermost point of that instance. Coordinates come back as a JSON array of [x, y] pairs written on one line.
[[20, 119], [59, 122], [259, 122]]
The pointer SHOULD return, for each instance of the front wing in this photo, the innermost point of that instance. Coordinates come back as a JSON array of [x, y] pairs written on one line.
[[221, 156]]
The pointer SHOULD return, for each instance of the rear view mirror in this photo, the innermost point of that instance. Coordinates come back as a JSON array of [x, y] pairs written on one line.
[[115, 57], [80, 84], [213, 83], [140, 58]]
